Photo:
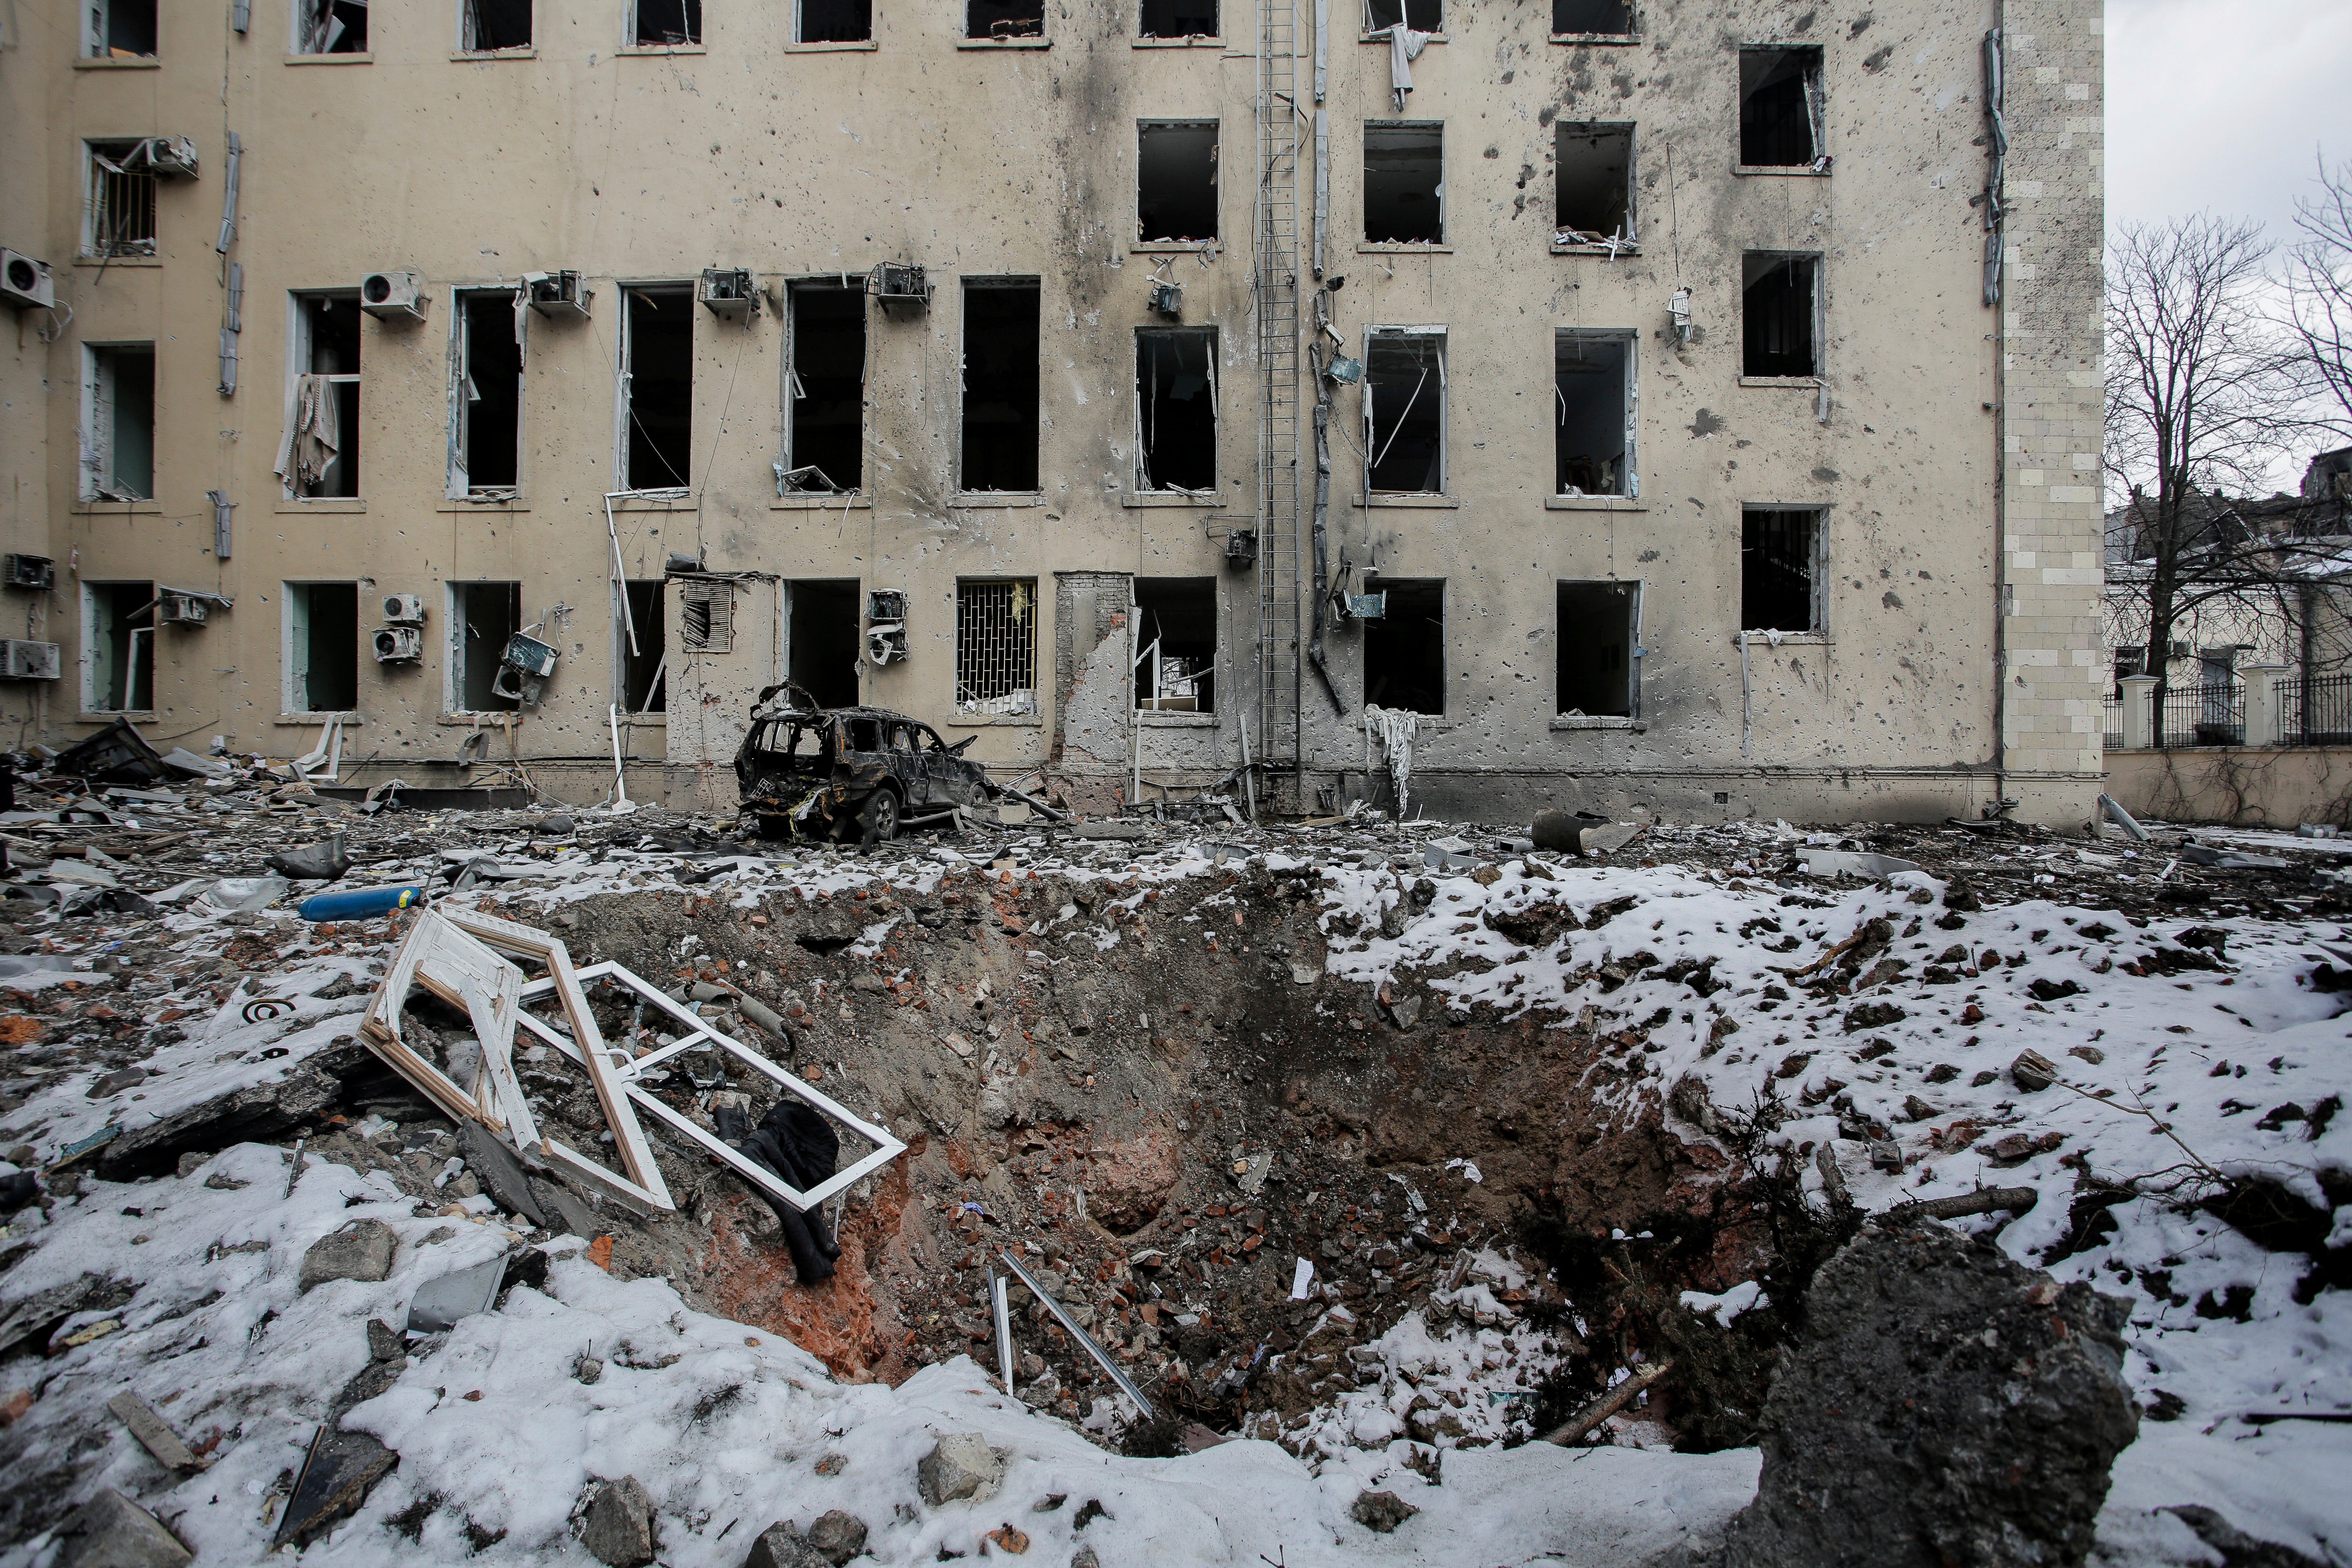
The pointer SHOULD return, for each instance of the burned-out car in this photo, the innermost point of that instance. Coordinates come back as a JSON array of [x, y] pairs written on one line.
[[808, 772]]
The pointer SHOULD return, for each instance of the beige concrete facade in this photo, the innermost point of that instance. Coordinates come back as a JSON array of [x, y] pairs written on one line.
[[1950, 447]]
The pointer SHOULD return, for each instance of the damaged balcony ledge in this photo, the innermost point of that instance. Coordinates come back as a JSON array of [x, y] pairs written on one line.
[[1174, 247], [1788, 170], [653, 503], [1802, 640], [528, 53], [1005, 43], [1191, 43], [348, 718], [330, 59], [1599, 721], [1809, 382], [1381, 38], [1152, 719], [484, 504], [108, 263], [662, 49], [1590, 247], [989, 500], [1412, 499], [323, 503], [107, 63], [994, 721], [1604, 39], [820, 501], [1593, 504], [1210, 499], [94, 507], [1400, 248], [834, 46]]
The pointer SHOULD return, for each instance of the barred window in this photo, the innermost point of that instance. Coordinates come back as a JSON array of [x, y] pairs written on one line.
[[996, 646], [121, 220]]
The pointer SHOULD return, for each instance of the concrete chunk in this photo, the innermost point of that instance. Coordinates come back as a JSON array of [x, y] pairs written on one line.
[[961, 1465], [837, 1536], [782, 1545], [619, 1527], [362, 1249]]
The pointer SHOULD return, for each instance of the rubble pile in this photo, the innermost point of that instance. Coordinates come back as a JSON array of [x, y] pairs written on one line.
[[1366, 1154]]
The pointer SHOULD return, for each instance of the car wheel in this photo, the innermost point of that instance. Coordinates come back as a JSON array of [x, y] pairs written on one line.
[[882, 816]]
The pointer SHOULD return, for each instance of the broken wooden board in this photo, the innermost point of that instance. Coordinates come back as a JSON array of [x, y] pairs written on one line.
[[153, 1433]]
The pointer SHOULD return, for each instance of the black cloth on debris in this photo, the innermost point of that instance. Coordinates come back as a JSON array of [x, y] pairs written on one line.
[[795, 1143]]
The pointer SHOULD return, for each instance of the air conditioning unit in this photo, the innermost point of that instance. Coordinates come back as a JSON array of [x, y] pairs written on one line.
[[885, 626], [404, 609], [1241, 548], [1167, 298], [181, 610], [734, 294], [399, 645], [899, 286], [394, 296], [527, 662], [26, 283], [29, 572], [166, 157], [557, 294], [28, 660]]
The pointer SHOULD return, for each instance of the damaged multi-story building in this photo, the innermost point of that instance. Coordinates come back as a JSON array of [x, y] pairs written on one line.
[[1691, 406]]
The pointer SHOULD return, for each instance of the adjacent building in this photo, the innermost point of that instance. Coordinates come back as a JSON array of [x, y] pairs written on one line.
[[1692, 407]]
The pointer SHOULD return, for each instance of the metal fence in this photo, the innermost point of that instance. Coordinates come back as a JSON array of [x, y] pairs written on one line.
[[2315, 710], [2213, 714], [2112, 724]]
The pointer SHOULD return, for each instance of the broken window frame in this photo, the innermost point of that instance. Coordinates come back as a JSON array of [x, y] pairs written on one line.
[[1816, 110], [1375, 451], [104, 450], [1152, 344], [455, 666], [118, 212], [795, 389], [1162, 682], [346, 470], [690, 16], [998, 675], [324, 28], [508, 314], [799, 29], [298, 646], [664, 294], [98, 18], [1816, 317], [1372, 129], [1397, 590], [1144, 129], [1629, 479], [1630, 228], [102, 651], [1003, 30], [1632, 590], [1376, 28], [1814, 550], [966, 431], [1631, 30], [1144, 22], [469, 28]]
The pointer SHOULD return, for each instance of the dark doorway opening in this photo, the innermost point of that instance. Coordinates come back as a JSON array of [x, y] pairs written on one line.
[[1000, 384], [1404, 175], [1595, 675], [824, 649], [1404, 650], [644, 674], [828, 389], [1591, 450], [1594, 170], [1777, 310], [661, 388], [1176, 408], [489, 615], [1779, 107], [1404, 411], [1176, 181], [1779, 561], [1176, 644], [492, 395]]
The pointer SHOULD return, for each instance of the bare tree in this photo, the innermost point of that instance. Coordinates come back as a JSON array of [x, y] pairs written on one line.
[[2319, 292], [2202, 398]]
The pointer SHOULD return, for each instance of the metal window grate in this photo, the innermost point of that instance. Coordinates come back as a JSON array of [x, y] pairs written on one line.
[[122, 209], [996, 641], [706, 615]]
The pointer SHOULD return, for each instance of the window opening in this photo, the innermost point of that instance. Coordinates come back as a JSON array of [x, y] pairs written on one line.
[[1179, 19], [657, 387], [824, 649], [489, 393], [1176, 181], [121, 219], [836, 22], [1405, 188], [1609, 19], [1595, 632], [1780, 552], [493, 25], [1420, 15], [706, 616], [322, 648], [669, 22], [1404, 650], [1176, 637], [122, 29], [1404, 413], [119, 417], [1176, 408], [825, 392], [1000, 384], [996, 646], [1592, 398], [330, 26], [644, 674], [1594, 172], [1779, 307], [119, 660], [483, 617], [321, 455], [1781, 108], [1004, 18]]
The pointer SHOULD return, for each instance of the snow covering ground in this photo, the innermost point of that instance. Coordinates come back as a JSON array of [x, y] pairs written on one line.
[[725, 1425]]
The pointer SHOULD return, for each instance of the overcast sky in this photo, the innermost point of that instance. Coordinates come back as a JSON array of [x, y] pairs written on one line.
[[2219, 105]]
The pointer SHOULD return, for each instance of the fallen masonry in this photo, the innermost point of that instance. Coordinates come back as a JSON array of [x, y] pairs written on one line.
[[1364, 1152]]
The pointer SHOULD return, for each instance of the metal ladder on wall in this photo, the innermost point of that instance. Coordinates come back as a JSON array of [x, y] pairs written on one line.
[[1274, 288]]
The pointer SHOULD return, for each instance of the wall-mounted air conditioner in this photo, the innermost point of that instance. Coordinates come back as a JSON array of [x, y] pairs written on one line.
[[24, 282], [404, 609], [29, 572], [557, 294], [28, 660], [399, 645], [394, 296], [885, 626], [526, 663], [181, 610], [899, 288], [731, 292], [1167, 298], [166, 157]]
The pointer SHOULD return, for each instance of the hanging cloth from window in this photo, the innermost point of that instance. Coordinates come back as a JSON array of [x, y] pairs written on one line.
[[313, 435], [1404, 48]]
